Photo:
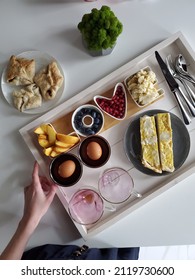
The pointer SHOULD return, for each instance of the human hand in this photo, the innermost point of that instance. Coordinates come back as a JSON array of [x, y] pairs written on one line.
[[37, 198]]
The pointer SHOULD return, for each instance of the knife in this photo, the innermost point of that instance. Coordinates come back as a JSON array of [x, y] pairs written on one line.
[[174, 87]]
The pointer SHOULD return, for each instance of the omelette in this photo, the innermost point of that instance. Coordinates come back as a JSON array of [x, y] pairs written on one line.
[[157, 143], [165, 140], [149, 144]]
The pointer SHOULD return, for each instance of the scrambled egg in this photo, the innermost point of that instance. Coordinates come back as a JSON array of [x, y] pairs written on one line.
[[142, 86]]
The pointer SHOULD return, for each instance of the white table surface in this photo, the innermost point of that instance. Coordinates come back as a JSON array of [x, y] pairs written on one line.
[[51, 26]]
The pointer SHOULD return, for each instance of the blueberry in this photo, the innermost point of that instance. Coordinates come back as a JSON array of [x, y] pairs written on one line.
[[96, 121], [95, 129], [78, 117], [96, 126], [89, 131], [94, 114], [87, 111], [80, 113], [78, 124], [82, 130], [99, 116]]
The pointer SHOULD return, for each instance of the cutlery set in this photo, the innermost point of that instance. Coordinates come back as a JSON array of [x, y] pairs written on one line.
[[176, 74]]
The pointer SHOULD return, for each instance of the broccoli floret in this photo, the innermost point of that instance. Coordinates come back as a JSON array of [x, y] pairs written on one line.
[[100, 28]]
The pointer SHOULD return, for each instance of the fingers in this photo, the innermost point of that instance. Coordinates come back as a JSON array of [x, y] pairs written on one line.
[[44, 180], [35, 174], [41, 182], [45, 183], [51, 193]]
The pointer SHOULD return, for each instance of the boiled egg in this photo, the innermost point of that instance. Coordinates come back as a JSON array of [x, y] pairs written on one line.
[[67, 168], [94, 150]]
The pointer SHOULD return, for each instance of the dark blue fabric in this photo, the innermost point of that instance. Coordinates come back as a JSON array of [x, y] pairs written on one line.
[[67, 252]]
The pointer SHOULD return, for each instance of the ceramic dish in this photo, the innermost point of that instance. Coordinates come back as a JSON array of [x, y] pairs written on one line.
[[116, 106], [41, 60], [54, 143], [87, 151], [87, 120], [181, 142], [75, 173], [158, 93]]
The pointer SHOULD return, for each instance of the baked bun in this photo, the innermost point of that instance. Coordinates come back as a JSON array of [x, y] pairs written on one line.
[[27, 98], [20, 71], [49, 80]]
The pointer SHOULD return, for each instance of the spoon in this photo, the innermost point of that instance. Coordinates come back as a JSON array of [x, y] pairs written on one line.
[[181, 66], [177, 76]]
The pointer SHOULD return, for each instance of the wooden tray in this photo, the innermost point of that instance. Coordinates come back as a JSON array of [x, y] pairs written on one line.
[[114, 130]]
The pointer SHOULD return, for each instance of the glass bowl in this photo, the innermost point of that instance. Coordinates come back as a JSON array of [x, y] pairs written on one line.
[[86, 206], [116, 185]]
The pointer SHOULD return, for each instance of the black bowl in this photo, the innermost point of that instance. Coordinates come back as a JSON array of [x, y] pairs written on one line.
[[106, 151], [54, 166]]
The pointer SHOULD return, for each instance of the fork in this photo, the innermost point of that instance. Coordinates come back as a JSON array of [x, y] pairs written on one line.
[[174, 73], [190, 103]]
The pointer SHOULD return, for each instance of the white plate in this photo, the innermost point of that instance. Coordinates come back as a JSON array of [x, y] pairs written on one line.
[[41, 60]]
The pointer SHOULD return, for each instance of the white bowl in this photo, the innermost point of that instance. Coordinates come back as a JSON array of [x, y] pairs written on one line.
[[112, 102], [87, 120], [158, 93], [61, 148]]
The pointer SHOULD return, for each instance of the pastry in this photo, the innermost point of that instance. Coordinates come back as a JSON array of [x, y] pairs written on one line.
[[149, 144], [165, 141], [20, 71], [49, 80], [27, 98]]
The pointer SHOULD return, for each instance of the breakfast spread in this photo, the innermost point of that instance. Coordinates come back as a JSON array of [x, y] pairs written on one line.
[[142, 87], [156, 142], [37, 86], [54, 143]]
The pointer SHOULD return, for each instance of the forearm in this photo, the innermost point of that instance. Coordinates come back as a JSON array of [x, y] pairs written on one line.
[[38, 197], [17, 244]]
